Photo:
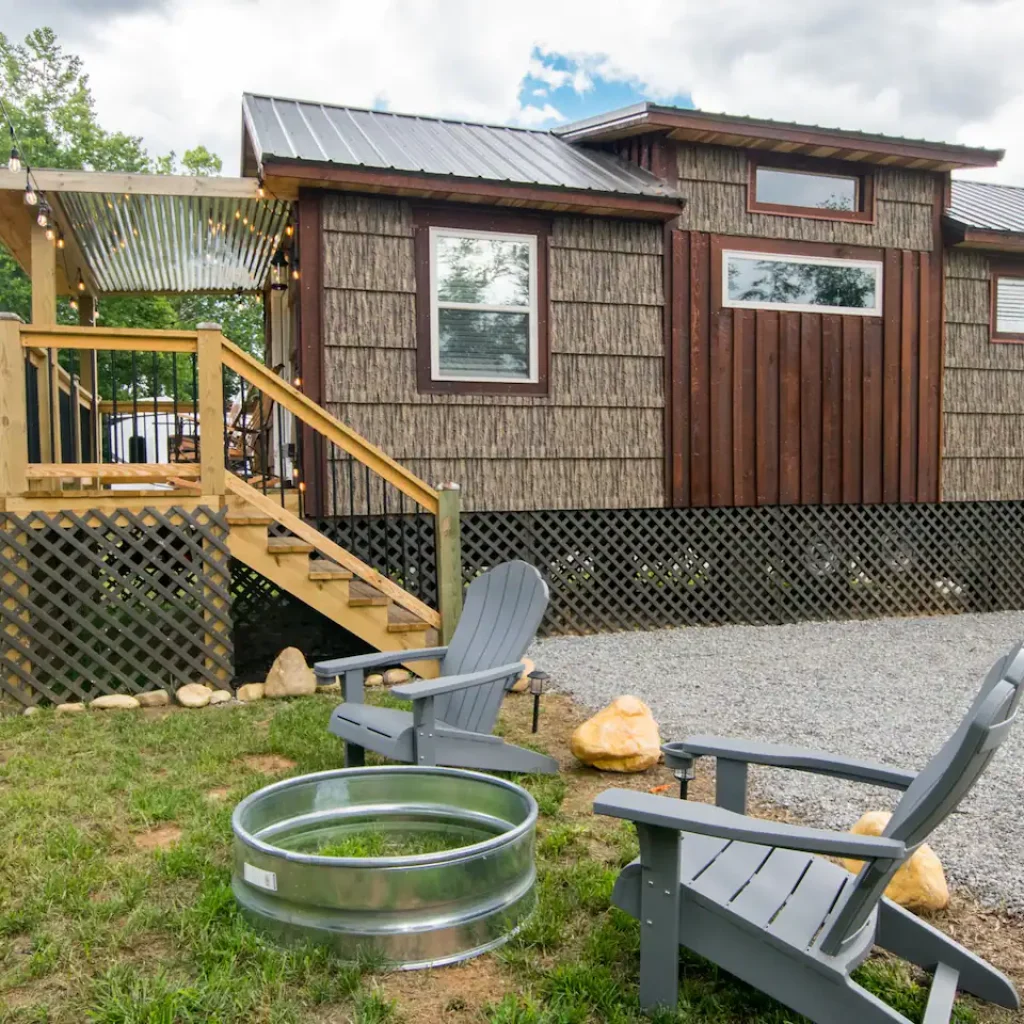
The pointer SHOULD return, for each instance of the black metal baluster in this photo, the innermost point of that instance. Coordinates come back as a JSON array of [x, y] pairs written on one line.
[[332, 462], [387, 527], [95, 425], [226, 409], [401, 533], [264, 448], [369, 526], [115, 422], [51, 384], [351, 505], [133, 444], [156, 411], [246, 475], [174, 403], [417, 519], [195, 404]]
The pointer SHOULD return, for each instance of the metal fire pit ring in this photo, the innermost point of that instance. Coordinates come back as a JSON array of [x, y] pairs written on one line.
[[416, 911]]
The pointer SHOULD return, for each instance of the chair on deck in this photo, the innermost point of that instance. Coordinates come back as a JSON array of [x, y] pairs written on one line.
[[751, 896], [453, 716]]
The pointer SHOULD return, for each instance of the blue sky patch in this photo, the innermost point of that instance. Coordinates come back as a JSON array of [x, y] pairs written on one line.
[[576, 87]]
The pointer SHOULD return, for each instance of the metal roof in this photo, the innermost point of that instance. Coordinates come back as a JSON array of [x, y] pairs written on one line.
[[716, 126], [175, 243], [286, 129], [988, 207]]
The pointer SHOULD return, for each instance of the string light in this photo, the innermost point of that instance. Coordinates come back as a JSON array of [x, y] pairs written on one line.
[[31, 196], [14, 160], [81, 283], [51, 234], [60, 239], [297, 382], [289, 230], [279, 271], [43, 216], [73, 303], [260, 190]]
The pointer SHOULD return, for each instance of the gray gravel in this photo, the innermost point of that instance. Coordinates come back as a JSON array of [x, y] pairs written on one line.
[[890, 690]]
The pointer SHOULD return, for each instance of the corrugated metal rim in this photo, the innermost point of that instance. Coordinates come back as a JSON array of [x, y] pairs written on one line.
[[160, 243], [986, 206], [313, 132]]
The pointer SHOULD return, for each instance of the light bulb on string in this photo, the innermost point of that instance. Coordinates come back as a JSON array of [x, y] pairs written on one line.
[[260, 190], [51, 234], [73, 303], [43, 216], [289, 230], [81, 283], [60, 240], [14, 160], [31, 196]]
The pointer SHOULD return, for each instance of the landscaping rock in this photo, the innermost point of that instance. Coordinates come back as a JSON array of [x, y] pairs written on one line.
[[115, 702], [154, 698], [621, 738], [334, 687], [69, 708], [221, 696], [522, 684], [249, 692], [31, 711], [289, 676], [376, 679], [394, 676], [920, 884], [194, 695]]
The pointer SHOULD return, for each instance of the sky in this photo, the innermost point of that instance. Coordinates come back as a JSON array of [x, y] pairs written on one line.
[[173, 71]]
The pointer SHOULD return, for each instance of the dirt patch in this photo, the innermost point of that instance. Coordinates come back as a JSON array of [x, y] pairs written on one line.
[[450, 995], [158, 838], [218, 794], [268, 764]]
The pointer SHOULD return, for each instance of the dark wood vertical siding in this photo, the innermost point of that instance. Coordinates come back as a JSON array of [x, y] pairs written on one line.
[[809, 408]]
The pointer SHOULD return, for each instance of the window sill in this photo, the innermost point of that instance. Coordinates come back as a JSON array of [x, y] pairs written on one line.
[[482, 387], [811, 213]]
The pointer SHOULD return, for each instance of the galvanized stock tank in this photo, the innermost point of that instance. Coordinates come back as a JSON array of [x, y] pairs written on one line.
[[423, 910]]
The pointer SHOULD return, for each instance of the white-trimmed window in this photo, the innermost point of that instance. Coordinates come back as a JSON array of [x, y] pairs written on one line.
[[808, 284], [483, 307], [1008, 305]]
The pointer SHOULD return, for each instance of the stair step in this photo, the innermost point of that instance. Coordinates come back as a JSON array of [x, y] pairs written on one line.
[[244, 519], [323, 569], [362, 595], [288, 546], [408, 627]]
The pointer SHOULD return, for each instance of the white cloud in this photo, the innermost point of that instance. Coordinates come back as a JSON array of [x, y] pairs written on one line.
[[173, 70], [531, 116]]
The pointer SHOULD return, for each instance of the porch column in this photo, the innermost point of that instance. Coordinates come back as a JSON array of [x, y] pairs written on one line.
[[44, 314]]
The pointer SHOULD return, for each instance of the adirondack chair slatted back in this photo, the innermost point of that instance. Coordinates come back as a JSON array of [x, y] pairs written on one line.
[[500, 618], [937, 791]]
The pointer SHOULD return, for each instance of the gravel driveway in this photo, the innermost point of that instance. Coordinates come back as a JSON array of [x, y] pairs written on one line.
[[890, 690]]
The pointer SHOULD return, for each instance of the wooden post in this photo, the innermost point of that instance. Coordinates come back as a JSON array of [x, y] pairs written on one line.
[[13, 415], [449, 559], [88, 372], [44, 313], [211, 409]]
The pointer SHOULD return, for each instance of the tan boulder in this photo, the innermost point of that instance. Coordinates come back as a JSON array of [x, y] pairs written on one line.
[[249, 692], [920, 883], [334, 687], [194, 695], [394, 676], [289, 676], [69, 708], [622, 738], [376, 679], [154, 698], [522, 684], [114, 702], [221, 697], [33, 709]]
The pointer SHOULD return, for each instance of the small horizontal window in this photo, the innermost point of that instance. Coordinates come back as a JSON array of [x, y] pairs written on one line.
[[802, 188], [811, 284], [483, 306], [1009, 306]]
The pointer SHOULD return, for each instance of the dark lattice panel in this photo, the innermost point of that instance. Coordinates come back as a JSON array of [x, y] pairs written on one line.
[[648, 568], [113, 602], [267, 619]]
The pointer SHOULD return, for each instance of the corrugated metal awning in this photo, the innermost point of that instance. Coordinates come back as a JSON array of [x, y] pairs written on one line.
[[175, 243], [986, 206], [285, 129]]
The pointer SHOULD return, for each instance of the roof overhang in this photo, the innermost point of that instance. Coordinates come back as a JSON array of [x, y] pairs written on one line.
[[964, 237], [754, 133], [148, 234], [286, 176]]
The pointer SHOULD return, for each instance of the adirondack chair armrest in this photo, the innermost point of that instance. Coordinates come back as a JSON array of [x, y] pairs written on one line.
[[378, 659], [780, 755], [424, 688], [709, 820]]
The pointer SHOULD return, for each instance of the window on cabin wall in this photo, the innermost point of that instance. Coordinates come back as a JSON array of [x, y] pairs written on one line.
[[481, 305], [805, 190], [1008, 304], [809, 284]]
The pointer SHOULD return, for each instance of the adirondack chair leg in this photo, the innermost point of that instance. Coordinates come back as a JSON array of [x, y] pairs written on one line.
[[355, 755], [424, 731], [659, 917], [352, 688], [731, 785], [916, 941]]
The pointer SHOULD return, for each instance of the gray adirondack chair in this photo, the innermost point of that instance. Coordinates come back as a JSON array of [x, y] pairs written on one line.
[[453, 716], [751, 896]]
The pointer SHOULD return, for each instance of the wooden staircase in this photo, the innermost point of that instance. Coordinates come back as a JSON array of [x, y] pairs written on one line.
[[327, 578]]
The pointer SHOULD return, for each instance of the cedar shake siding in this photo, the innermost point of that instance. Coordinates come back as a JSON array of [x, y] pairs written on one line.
[[596, 440], [714, 179], [983, 396]]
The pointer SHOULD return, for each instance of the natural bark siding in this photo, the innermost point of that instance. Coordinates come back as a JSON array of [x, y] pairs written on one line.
[[983, 394], [596, 440], [713, 180]]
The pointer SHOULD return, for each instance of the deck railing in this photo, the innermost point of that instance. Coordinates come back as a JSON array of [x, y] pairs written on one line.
[[227, 432]]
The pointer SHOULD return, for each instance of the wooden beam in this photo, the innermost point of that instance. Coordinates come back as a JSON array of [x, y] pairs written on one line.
[[210, 375], [44, 279], [134, 471], [109, 339], [13, 417], [87, 501], [109, 183]]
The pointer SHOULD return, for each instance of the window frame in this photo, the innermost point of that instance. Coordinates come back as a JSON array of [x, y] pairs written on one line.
[[781, 256], [863, 214], [996, 271], [436, 220]]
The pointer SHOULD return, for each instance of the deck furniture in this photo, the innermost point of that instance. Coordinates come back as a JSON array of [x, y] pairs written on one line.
[[752, 896], [453, 716]]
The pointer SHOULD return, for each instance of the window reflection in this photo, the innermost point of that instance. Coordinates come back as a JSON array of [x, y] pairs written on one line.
[[799, 188]]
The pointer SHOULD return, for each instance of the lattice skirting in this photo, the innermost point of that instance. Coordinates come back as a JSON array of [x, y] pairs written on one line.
[[113, 602], [648, 568]]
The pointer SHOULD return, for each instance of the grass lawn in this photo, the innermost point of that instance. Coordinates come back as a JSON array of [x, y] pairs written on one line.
[[115, 903]]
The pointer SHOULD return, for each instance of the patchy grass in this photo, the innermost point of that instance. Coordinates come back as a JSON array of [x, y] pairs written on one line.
[[116, 906]]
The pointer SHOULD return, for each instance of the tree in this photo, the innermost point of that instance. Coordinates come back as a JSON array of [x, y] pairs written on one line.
[[47, 97]]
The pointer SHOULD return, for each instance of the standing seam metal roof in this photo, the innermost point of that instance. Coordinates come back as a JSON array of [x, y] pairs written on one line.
[[295, 130], [988, 207]]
